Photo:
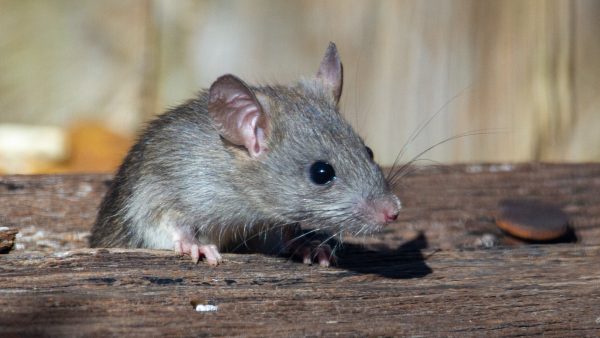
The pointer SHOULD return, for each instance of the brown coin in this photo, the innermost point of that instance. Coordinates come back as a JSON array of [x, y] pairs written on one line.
[[532, 220]]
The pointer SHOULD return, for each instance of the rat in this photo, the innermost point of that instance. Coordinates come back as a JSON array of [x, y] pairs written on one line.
[[237, 162]]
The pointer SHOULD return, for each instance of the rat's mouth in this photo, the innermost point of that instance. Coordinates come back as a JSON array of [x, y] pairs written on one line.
[[357, 226], [364, 228]]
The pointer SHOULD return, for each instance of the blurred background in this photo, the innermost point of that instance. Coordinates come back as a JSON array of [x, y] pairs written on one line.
[[78, 78]]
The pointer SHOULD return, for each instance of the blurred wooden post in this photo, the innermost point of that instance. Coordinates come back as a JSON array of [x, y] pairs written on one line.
[[526, 68]]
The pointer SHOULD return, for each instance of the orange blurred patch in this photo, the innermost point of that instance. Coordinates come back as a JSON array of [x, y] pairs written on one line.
[[92, 148]]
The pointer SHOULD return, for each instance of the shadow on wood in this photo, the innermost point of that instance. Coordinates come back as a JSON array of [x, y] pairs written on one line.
[[404, 262]]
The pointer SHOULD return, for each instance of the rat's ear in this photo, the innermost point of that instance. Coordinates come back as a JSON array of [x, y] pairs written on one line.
[[238, 114], [331, 72]]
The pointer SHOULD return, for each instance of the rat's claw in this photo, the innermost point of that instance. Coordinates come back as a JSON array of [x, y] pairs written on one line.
[[309, 252], [195, 253], [196, 250], [324, 256], [306, 255], [211, 253]]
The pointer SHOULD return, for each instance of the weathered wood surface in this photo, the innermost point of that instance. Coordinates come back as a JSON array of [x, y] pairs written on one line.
[[453, 206], [537, 290], [429, 274]]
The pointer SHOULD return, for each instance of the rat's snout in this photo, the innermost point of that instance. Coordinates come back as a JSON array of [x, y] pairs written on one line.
[[390, 215], [386, 209]]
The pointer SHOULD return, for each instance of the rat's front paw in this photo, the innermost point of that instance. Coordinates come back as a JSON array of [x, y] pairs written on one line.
[[311, 251], [196, 250]]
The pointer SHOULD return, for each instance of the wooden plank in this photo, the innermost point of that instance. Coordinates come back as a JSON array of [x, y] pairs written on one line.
[[428, 274], [51, 212], [455, 206], [533, 290], [452, 206]]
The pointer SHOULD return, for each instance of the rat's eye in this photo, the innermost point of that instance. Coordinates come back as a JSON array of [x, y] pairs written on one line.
[[321, 173], [370, 152]]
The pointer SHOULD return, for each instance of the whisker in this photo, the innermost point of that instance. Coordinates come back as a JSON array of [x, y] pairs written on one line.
[[424, 124], [392, 176], [412, 168]]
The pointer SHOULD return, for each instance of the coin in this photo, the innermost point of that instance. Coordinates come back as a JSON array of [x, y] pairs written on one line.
[[532, 219]]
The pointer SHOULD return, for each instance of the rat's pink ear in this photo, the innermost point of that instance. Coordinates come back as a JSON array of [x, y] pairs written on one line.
[[238, 114], [331, 72]]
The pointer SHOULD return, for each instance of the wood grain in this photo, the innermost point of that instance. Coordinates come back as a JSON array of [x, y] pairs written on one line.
[[452, 206], [433, 273], [533, 290]]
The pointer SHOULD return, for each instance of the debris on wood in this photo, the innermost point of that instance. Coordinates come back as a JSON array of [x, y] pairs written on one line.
[[7, 239]]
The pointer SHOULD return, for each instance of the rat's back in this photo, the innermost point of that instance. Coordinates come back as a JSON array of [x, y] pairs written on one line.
[[176, 152]]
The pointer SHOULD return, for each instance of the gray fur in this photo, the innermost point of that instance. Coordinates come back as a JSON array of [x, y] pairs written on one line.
[[182, 176]]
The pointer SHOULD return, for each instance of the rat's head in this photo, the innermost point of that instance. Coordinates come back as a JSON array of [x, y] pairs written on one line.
[[298, 159]]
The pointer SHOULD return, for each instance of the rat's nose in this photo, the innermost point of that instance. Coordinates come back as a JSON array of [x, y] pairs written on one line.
[[390, 215], [388, 210], [384, 209]]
